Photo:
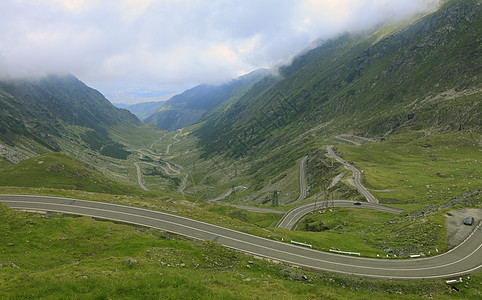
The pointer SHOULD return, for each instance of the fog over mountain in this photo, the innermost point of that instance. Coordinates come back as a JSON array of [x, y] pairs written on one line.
[[164, 47]]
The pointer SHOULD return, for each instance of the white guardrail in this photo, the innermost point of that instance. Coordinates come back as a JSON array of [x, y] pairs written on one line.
[[345, 252], [301, 244]]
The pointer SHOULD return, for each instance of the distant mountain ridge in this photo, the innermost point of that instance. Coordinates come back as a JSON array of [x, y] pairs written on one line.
[[190, 106], [56, 107], [143, 110], [425, 75]]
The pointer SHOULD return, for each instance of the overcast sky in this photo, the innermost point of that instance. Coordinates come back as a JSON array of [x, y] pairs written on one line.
[[139, 50]]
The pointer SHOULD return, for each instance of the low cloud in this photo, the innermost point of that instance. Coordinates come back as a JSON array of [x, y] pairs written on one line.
[[174, 43]]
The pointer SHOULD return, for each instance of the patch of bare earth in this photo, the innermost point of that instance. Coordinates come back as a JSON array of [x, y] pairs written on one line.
[[457, 231]]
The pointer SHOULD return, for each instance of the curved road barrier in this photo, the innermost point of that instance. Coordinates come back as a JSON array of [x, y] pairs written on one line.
[[463, 259]]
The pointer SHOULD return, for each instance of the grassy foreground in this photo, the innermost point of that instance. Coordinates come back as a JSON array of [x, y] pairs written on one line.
[[52, 256]]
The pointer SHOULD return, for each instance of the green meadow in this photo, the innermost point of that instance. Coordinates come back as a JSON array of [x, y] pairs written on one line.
[[51, 256], [419, 168]]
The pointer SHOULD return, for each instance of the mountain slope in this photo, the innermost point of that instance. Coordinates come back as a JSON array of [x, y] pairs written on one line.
[[423, 76], [61, 171], [189, 107], [59, 107], [145, 109]]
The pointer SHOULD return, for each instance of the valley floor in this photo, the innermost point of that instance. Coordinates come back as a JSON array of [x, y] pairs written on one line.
[[172, 163]]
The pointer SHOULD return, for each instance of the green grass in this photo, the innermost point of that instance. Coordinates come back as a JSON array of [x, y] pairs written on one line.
[[4, 163], [402, 153], [182, 205], [79, 257], [258, 219], [419, 168], [61, 171], [136, 136], [346, 229], [366, 232], [424, 235], [372, 232], [213, 176], [57, 170], [347, 219]]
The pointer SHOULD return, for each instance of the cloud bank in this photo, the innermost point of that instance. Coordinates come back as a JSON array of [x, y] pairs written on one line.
[[169, 44]]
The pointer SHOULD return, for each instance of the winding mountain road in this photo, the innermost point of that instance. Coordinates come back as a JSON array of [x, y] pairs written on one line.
[[242, 188], [152, 145], [156, 156], [347, 140], [344, 137], [303, 193], [184, 184], [303, 184], [179, 131], [356, 176], [139, 177], [463, 259], [294, 215]]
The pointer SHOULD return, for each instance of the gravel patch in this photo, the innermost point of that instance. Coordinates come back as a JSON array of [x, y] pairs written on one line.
[[457, 231]]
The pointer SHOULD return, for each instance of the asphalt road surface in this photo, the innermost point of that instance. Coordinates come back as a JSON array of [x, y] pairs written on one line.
[[344, 136], [225, 195], [139, 177], [294, 215], [356, 176], [464, 259], [347, 140], [303, 184], [156, 156]]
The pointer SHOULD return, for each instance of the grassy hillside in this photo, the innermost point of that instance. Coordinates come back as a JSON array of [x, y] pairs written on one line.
[[80, 257], [36, 113], [62, 114], [419, 168], [424, 76], [414, 87], [60, 171], [189, 107]]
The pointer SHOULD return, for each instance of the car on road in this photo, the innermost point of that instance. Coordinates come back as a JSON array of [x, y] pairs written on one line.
[[357, 203], [469, 221]]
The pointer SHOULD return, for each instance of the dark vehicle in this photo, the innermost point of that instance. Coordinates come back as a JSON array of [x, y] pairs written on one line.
[[469, 221], [357, 203]]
